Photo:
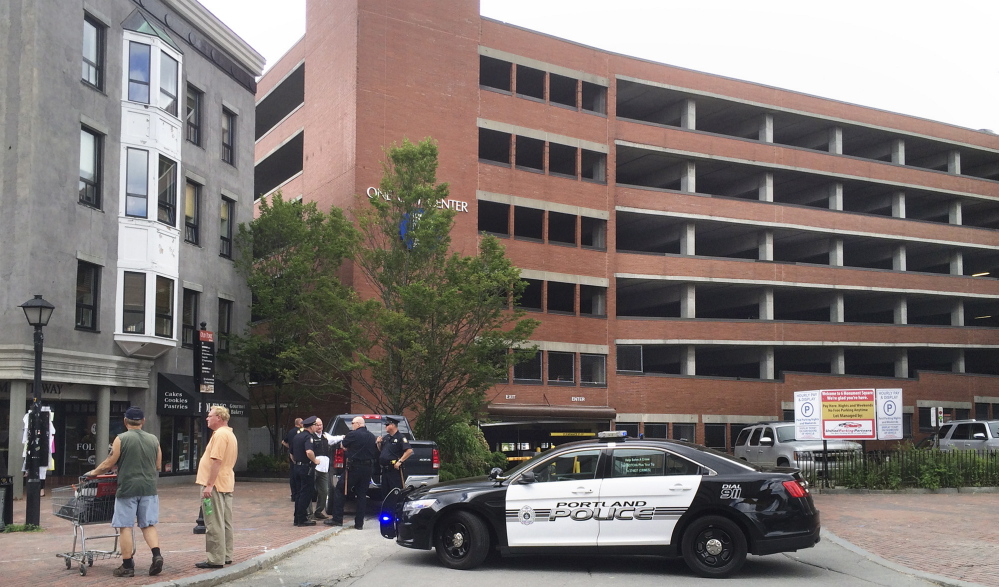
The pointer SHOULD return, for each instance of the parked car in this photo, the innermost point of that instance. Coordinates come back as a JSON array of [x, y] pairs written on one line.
[[773, 444], [969, 435], [612, 495], [423, 468]]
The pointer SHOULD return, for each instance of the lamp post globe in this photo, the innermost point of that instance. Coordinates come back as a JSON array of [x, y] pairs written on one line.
[[37, 311]]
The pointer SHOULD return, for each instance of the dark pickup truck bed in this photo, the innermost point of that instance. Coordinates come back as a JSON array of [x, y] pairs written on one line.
[[421, 469]]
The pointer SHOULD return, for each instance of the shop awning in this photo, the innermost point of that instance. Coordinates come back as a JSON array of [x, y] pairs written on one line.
[[177, 395], [546, 412]]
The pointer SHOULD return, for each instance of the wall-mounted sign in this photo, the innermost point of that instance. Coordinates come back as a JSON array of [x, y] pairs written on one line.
[[204, 361], [456, 205]]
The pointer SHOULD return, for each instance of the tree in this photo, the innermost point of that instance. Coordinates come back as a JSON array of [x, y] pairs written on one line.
[[439, 326], [291, 256]]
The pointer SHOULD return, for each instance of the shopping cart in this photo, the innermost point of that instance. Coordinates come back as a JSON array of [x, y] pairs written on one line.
[[91, 501]]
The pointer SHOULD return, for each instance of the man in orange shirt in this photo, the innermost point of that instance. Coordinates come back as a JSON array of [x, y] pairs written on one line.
[[217, 480]]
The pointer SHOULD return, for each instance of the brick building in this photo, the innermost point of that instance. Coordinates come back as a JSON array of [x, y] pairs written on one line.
[[697, 247]]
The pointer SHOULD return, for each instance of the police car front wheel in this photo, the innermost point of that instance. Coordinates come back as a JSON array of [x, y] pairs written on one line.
[[714, 546], [462, 541]]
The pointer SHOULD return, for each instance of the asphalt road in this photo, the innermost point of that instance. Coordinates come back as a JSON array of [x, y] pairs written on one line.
[[362, 558]]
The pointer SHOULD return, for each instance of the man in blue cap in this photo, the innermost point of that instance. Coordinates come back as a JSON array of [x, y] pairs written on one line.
[[138, 456]]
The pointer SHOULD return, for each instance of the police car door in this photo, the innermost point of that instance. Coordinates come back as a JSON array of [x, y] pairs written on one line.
[[552, 508], [644, 494]]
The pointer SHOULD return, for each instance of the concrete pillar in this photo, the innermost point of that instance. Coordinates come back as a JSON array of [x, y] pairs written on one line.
[[15, 430], [767, 369], [767, 128], [688, 360], [103, 436], [956, 263], [898, 151], [954, 162], [898, 258], [688, 114], [688, 177], [766, 246], [687, 238], [954, 212], [957, 313], [901, 311], [898, 204], [902, 363], [837, 365], [766, 303], [836, 252], [957, 365], [688, 301], [766, 191], [837, 310], [836, 196], [836, 140]]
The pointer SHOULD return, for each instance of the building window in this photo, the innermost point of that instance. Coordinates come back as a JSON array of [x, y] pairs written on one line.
[[93, 52], [167, 213], [193, 115], [138, 72], [593, 369], [684, 432], [134, 303], [561, 368], [164, 307], [90, 168], [189, 318], [225, 325], [225, 227], [528, 371], [136, 182], [88, 279], [716, 436], [168, 83], [192, 212], [228, 136]]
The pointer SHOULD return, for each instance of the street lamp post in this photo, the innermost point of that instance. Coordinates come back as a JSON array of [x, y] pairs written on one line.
[[37, 311]]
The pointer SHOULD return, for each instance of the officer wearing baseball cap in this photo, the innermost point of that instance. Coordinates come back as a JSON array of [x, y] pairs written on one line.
[[395, 449], [303, 469]]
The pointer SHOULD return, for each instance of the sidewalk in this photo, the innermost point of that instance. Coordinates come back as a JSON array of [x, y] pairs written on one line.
[[949, 535]]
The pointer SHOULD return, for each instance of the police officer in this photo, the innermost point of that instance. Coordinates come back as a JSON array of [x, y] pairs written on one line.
[[395, 449], [303, 466], [321, 447], [288, 438], [361, 449]]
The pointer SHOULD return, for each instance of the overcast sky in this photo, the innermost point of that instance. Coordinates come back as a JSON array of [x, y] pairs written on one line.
[[936, 60]]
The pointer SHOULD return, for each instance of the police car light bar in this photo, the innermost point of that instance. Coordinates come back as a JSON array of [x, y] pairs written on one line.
[[612, 434]]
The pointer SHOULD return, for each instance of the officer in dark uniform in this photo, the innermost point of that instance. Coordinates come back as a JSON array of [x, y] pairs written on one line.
[[303, 466], [287, 444], [360, 449], [395, 449]]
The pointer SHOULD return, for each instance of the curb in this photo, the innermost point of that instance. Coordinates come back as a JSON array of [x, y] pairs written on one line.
[[907, 491], [246, 568], [938, 579]]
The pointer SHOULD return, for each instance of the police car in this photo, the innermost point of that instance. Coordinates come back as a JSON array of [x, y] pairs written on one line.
[[612, 495]]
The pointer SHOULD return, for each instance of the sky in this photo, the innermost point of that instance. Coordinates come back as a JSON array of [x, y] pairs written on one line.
[[935, 60]]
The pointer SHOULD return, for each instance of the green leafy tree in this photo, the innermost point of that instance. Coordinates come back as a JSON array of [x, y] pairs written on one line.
[[291, 256], [438, 323]]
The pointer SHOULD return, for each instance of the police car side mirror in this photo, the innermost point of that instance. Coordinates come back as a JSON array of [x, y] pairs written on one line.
[[495, 472], [526, 478]]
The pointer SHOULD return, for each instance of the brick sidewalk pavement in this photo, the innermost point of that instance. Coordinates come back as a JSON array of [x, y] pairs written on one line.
[[262, 515], [948, 534]]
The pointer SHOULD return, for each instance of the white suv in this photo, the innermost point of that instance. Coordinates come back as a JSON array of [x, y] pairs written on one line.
[[969, 435], [773, 444]]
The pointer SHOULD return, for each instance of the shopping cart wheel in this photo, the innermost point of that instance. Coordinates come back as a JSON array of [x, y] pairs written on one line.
[[90, 561], [69, 564], [83, 570]]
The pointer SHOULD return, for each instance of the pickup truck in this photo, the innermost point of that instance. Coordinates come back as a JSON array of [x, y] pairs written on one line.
[[423, 468]]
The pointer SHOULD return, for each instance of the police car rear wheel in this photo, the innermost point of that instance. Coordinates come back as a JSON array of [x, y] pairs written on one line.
[[714, 546], [462, 541]]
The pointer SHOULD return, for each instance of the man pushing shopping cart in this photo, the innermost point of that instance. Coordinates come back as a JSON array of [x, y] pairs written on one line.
[[138, 457]]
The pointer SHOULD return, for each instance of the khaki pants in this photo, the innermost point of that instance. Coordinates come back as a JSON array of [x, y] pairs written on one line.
[[218, 528]]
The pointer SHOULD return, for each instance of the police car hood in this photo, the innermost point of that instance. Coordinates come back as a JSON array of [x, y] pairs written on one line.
[[468, 484]]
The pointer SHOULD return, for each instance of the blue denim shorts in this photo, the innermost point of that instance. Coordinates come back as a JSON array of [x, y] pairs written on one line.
[[145, 509]]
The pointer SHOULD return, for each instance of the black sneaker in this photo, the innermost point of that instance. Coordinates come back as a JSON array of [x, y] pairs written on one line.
[[157, 566], [123, 572]]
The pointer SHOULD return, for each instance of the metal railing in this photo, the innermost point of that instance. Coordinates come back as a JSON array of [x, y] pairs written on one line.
[[906, 468]]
